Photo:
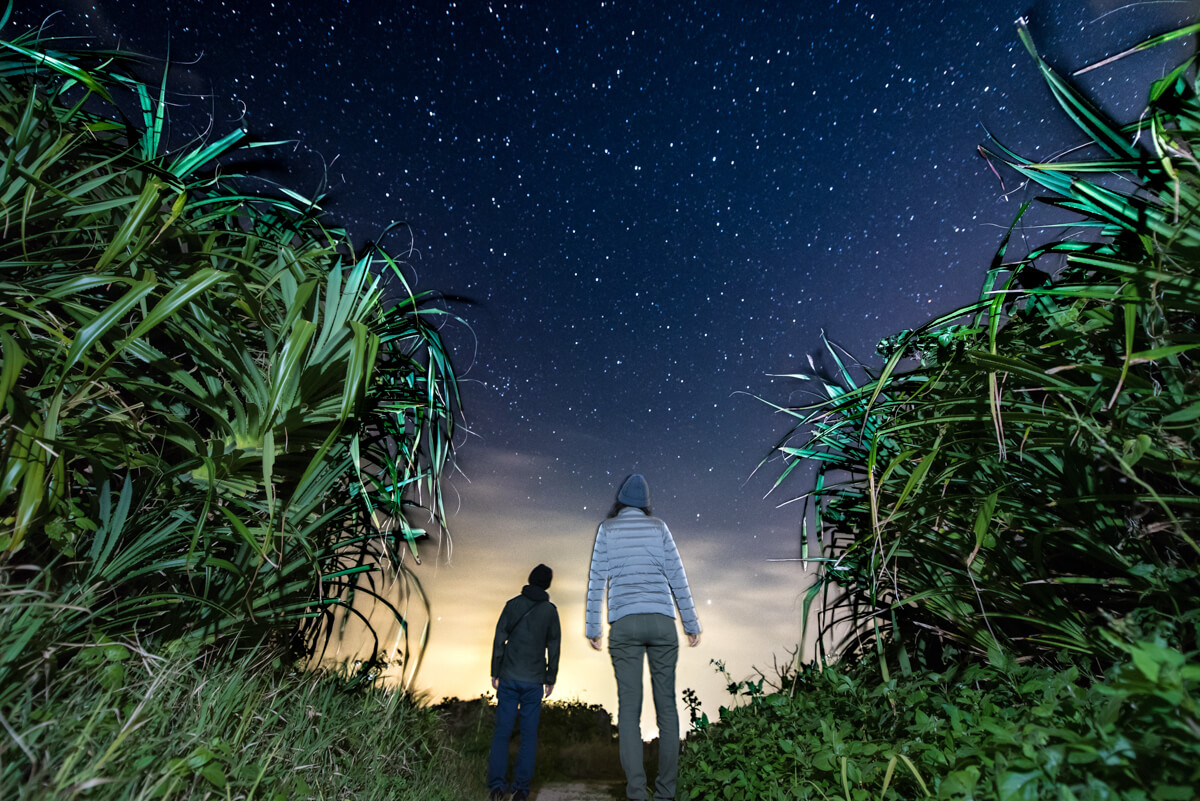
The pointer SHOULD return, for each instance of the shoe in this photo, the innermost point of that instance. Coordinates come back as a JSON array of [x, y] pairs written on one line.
[[496, 795], [520, 795]]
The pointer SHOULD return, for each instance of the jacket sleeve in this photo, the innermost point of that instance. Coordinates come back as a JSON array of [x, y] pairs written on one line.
[[597, 579], [677, 578], [498, 642], [553, 646]]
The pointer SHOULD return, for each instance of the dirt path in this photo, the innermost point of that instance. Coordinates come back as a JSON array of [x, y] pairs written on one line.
[[577, 791]]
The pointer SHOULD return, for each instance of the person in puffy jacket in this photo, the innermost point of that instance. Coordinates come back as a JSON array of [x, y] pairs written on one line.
[[524, 669], [636, 561]]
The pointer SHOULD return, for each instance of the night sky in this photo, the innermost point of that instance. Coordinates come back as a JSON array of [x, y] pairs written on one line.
[[643, 211]]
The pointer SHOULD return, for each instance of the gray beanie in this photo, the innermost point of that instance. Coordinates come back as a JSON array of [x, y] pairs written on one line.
[[635, 492]]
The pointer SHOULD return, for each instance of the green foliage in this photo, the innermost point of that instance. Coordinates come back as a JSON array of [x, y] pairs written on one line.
[[218, 420], [1009, 514], [1017, 732], [228, 728], [1021, 477], [218, 424]]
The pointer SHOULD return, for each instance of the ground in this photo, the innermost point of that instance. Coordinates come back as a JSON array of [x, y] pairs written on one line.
[[575, 791]]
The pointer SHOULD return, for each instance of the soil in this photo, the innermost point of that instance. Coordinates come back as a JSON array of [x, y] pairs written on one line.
[[578, 791]]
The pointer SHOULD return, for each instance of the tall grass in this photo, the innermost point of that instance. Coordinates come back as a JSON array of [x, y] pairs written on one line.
[[222, 728]]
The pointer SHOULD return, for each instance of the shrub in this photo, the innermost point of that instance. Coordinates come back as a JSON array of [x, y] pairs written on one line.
[[215, 428], [986, 732], [219, 422], [1022, 474], [1009, 514]]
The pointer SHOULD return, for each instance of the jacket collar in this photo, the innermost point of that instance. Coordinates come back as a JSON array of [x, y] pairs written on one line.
[[535, 593]]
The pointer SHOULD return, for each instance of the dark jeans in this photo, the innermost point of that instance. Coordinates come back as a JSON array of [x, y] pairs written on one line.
[[631, 640], [515, 700]]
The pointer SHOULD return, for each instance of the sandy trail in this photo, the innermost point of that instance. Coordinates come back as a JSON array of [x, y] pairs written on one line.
[[573, 791]]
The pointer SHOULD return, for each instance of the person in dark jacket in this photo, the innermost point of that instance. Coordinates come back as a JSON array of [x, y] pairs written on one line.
[[524, 670]]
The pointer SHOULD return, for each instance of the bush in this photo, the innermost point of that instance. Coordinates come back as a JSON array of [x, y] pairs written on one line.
[[215, 425], [985, 732], [1009, 513], [1021, 475], [219, 423]]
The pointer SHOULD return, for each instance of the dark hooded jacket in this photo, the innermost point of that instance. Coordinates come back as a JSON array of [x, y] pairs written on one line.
[[534, 639]]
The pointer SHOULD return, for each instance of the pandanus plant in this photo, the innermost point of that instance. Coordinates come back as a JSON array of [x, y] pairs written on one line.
[[1021, 477], [216, 417]]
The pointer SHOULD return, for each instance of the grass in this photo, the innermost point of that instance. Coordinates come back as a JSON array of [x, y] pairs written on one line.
[[123, 724]]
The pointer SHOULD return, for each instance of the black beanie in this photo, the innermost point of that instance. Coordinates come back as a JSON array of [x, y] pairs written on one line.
[[540, 576]]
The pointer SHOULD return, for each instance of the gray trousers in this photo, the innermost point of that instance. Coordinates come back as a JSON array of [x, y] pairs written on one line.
[[632, 640]]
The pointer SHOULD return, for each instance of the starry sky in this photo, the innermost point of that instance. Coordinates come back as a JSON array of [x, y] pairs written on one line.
[[645, 213]]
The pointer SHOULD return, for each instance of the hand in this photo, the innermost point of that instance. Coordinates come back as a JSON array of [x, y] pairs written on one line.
[[595, 642], [549, 689], [495, 683], [693, 640]]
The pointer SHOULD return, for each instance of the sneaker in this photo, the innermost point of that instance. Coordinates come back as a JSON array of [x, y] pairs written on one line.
[[496, 795], [520, 795]]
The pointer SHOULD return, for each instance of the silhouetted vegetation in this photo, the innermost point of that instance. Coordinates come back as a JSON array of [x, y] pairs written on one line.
[[576, 741]]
